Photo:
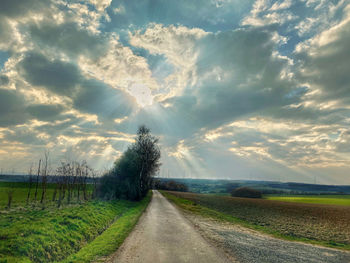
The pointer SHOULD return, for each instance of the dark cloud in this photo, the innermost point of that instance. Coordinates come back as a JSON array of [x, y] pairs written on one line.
[[24, 135], [108, 103], [12, 109], [55, 75], [88, 95], [247, 79], [4, 80], [16, 8], [45, 112], [67, 37], [326, 65]]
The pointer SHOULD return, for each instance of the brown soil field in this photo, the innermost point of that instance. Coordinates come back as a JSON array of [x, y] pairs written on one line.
[[325, 223]]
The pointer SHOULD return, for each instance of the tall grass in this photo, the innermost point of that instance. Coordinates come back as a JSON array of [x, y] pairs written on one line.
[[53, 234]]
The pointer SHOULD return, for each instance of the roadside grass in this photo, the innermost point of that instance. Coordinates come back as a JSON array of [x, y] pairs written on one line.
[[247, 215], [53, 234], [110, 240], [313, 199]]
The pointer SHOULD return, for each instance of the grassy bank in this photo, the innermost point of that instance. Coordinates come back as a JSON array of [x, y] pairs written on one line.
[[313, 199], [53, 234], [317, 224], [109, 241]]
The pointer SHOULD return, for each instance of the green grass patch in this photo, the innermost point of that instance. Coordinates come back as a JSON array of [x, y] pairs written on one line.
[[53, 234], [313, 199], [109, 241], [193, 206]]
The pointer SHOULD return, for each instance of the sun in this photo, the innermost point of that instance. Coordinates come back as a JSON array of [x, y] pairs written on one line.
[[142, 93]]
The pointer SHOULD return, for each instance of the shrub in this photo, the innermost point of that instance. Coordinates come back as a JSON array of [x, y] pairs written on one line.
[[170, 186], [246, 192]]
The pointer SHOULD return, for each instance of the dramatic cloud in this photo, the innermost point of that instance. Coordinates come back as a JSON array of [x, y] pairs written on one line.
[[234, 89], [57, 76]]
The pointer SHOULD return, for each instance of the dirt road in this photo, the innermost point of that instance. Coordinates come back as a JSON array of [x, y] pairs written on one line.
[[164, 235]]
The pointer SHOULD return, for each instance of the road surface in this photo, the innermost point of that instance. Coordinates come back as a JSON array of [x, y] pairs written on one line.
[[164, 235]]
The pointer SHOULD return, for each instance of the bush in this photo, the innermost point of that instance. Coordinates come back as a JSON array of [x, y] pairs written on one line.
[[246, 192], [170, 186]]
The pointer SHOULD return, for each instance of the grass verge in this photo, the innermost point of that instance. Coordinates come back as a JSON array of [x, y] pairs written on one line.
[[53, 234], [109, 241], [201, 210]]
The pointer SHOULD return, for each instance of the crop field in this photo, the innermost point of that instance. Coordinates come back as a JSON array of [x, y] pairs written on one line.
[[314, 199], [76, 232], [321, 224]]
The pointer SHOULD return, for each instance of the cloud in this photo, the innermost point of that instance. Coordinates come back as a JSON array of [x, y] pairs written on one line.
[[120, 68], [57, 76], [324, 61], [67, 37], [44, 112], [16, 8], [4, 80], [264, 13], [108, 103], [12, 109], [237, 73], [258, 85]]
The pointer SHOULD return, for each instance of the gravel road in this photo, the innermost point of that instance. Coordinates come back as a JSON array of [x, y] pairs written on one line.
[[164, 235], [249, 246]]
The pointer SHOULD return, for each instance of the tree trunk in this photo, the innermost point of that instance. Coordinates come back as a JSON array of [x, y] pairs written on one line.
[[37, 181]]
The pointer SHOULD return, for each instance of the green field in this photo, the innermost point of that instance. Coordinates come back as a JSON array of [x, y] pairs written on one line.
[[20, 193], [78, 232], [314, 199]]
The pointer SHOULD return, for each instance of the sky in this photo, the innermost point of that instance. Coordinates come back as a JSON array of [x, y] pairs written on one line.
[[233, 89]]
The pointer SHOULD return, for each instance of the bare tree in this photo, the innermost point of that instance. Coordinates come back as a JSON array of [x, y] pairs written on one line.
[[44, 177], [55, 181], [94, 187], [9, 197], [61, 172], [84, 179], [79, 176], [37, 181], [30, 182]]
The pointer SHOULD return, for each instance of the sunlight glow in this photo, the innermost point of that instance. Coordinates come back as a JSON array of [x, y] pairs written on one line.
[[142, 94]]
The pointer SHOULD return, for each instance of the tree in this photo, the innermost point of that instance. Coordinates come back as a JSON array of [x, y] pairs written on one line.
[[149, 153], [131, 175], [246, 192], [44, 177], [170, 185], [30, 182], [37, 181]]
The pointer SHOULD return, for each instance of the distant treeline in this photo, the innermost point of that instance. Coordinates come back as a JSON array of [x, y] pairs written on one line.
[[266, 187], [169, 185]]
